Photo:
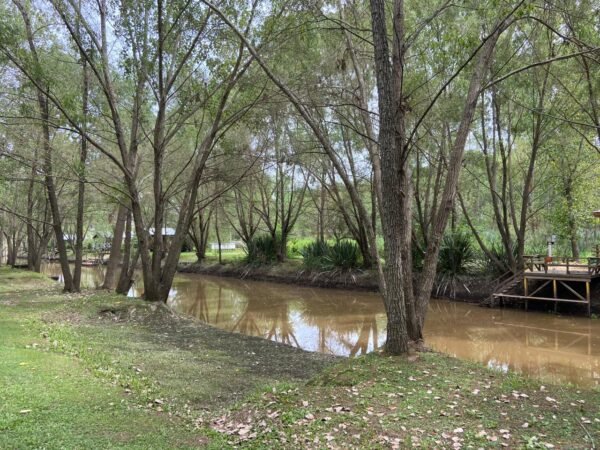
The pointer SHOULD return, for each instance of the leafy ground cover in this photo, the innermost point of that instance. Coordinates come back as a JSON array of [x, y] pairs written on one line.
[[98, 371]]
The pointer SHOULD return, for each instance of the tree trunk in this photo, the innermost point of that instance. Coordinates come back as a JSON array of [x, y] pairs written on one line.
[[428, 273], [321, 209], [218, 236], [81, 188], [415, 332], [43, 107], [124, 283], [571, 219], [31, 237], [282, 247], [115, 248], [390, 123], [199, 229], [12, 251]]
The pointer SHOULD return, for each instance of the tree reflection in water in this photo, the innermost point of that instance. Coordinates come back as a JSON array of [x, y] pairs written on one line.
[[550, 347], [267, 316], [347, 324]]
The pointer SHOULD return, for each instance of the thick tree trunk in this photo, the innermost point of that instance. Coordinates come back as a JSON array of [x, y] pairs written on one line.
[[124, 283], [282, 247], [391, 132], [9, 250], [128, 266], [14, 242], [397, 337], [115, 248]]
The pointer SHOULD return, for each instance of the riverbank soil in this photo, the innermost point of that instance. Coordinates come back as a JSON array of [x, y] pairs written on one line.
[[289, 272], [474, 288], [95, 370]]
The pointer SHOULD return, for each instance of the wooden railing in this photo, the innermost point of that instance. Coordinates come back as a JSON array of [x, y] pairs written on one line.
[[540, 263]]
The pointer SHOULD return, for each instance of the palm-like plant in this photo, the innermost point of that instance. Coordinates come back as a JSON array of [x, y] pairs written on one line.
[[455, 258]]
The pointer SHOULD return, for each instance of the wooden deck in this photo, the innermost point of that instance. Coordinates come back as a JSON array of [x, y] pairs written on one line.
[[559, 280]]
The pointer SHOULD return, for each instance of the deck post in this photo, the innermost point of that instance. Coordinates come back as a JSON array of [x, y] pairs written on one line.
[[588, 298], [526, 287], [555, 292]]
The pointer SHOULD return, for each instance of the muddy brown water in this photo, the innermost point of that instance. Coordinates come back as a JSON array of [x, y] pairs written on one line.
[[343, 322]]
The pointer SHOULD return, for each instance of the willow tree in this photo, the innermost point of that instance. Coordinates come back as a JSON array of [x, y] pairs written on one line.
[[179, 54], [405, 308], [32, 64]]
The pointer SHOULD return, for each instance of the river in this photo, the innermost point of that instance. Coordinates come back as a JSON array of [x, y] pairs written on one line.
[[348, 323]]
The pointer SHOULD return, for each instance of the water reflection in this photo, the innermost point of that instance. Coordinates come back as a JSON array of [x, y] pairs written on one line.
[[351, 323], [291, 315]]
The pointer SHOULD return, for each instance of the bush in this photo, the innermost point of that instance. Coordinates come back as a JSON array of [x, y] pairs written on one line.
[[261, 250], [313, 255], [296, 246], [455, 258], [343, 255]]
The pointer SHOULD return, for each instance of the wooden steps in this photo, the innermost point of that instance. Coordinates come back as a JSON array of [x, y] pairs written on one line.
[[506, 284]]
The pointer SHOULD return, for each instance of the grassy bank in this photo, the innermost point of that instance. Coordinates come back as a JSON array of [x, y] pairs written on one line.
[[98, 371], [289, 272]]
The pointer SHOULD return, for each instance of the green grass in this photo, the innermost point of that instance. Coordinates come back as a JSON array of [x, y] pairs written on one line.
[[433, 401], [94, 370], [51, 400], [227, 256], [212, 256]]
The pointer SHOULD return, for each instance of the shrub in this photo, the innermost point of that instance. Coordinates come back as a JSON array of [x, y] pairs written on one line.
[[261, 250], [343, 255], [296, 246], [314, 254], [456, 256]]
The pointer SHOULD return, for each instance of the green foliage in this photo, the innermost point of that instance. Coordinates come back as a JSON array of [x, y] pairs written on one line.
[[296, 246], [456, 253], [455, 258], [498, 251], [343, 255], [262, 250], [314, 254]]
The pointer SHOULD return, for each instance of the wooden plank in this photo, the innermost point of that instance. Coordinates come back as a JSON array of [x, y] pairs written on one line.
[[546, 299], [561, 277]]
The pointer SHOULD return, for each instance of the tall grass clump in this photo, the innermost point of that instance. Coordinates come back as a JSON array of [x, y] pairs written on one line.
[[313, 254], [261, 250], [455, 260], [343, 255]]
